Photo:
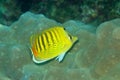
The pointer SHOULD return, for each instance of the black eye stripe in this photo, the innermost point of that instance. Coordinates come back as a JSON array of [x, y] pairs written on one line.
[[70, 36]]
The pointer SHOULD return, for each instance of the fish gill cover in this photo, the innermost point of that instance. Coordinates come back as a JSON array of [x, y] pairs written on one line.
[[96, 56]]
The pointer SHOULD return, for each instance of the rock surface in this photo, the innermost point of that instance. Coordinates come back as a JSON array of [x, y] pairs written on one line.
[[96, 56]]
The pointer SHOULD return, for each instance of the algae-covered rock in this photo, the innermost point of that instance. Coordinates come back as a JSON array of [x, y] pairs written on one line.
[[95, 56]]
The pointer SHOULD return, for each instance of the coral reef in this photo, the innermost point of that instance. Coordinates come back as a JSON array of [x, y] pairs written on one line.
[[9, 11], [89, 11], [94, 57]]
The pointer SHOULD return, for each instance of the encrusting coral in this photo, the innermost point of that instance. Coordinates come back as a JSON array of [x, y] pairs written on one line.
[[94, 57]]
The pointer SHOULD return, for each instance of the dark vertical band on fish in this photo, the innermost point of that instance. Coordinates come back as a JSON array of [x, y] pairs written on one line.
[[45, 40], [56, 34], [51, 37], [42, 41], [38, 42]]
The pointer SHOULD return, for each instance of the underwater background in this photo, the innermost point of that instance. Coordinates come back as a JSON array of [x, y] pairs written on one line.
[[95, 56]]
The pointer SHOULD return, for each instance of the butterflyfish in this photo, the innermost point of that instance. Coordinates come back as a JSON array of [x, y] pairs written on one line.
[[51, 43]]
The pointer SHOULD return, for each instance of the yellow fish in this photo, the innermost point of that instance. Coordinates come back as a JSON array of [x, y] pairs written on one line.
[[51, 43]]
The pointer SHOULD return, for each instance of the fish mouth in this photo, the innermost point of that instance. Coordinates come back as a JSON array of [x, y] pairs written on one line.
[[74, 39]]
